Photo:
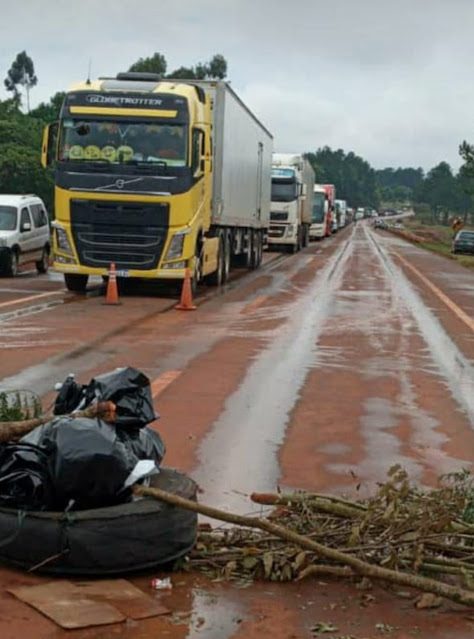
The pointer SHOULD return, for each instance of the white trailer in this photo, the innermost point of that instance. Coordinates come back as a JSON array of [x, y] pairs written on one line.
[[291, 207], [242, 159]]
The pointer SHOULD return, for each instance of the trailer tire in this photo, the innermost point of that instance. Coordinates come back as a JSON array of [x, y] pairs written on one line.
[[244, 259], [134, 536], [227, 257], [260, 249], [255, 250]]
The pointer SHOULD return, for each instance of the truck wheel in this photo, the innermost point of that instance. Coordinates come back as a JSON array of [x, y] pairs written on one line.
[[43, 265], [260, 249], [216, 278], [294, 248], [227, 258], [255, 251], [197, 274], [244, 259], [12, 264], [305, 241], [76, 283]]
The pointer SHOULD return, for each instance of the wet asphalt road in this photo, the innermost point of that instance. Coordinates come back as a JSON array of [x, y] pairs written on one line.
[[332, 364]]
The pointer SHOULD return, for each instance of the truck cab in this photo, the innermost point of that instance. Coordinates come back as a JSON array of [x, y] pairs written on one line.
[[290, 212], [320, 209], [341, 208]]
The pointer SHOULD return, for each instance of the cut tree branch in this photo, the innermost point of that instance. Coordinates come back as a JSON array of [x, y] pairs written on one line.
[[360, 567]]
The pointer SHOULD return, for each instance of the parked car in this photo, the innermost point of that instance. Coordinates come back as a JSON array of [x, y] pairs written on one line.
[[463, 242], [24, 233]]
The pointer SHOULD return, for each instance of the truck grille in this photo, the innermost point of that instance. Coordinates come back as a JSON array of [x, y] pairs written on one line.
[[130, 234], [276, 231]]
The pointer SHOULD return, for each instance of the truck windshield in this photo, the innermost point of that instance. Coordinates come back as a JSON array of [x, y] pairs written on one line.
[[123, 142], [7, 218], [284, 190], [318, 207]]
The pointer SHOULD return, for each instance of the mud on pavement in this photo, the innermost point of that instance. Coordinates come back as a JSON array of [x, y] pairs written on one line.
[[328, 366]]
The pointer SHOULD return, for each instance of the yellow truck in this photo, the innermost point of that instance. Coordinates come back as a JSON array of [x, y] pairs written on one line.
[[157, 176]]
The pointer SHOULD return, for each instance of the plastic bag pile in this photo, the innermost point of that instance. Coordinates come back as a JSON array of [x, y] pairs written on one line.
[[80, 463]]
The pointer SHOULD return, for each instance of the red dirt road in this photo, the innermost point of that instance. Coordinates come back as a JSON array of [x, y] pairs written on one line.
[[336, 362]]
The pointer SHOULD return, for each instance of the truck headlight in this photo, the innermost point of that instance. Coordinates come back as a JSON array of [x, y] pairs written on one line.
[[290, 229], [62, 241], [3, 241], [175, 249]]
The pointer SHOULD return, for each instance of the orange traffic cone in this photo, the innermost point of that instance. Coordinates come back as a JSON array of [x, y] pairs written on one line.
[[111, 297], [186, 302]]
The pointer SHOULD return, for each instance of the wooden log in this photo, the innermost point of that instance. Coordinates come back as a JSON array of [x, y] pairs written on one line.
[[360, 567], [12, 431]]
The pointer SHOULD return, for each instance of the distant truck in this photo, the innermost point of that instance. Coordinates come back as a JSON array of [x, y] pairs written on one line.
[[157, 176], [320, 213], [332, 217], [291, 207], [359, 214], [341, 209]]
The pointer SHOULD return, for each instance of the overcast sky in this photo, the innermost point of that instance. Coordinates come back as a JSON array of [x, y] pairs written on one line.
[[390, 80]]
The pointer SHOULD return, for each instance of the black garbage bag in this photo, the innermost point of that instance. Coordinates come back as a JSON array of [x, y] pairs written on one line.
[[89, 463], [25, 478], [144, 443], [69, 396], [130, 391]]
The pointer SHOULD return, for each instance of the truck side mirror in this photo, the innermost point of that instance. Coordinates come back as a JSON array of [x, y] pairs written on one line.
[[50, 140]]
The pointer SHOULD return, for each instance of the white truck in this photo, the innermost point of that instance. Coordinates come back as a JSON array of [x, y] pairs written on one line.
[[291, 207], [320, 210], [341, 207]]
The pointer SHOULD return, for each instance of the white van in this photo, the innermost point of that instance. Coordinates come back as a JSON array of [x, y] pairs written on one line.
[[24, 233]]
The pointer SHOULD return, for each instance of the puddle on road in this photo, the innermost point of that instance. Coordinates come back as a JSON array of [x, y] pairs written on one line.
[[240, 454], [456, 370], [214, 617]]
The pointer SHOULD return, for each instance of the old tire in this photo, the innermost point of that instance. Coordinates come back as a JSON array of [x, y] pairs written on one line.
[[133, 536], [75, 282]]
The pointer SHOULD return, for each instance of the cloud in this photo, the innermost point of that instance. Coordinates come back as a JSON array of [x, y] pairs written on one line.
[[388, 80]]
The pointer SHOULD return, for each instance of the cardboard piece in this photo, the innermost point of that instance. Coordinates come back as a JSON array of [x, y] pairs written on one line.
[[89, 603]]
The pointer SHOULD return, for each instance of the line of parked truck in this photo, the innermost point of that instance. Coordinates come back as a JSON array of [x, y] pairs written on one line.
[[160, 176]]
